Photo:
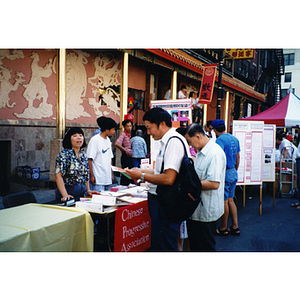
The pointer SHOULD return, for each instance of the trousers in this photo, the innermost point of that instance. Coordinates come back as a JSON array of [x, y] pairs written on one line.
[[163, 231], [201, 235]]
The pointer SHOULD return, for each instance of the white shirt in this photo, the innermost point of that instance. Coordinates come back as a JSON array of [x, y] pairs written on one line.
[[195, 102], [181, 95], [99, 149], [291, 148], [173, 155], [213, 135], [210, 164], [168, 95]]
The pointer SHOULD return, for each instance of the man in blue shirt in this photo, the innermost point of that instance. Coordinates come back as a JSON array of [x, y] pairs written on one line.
[[231, 146]]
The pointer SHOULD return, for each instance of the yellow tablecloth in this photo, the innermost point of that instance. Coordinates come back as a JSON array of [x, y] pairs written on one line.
[[36, 227]]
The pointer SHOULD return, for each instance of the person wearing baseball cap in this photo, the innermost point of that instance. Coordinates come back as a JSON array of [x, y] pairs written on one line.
[[231, 146]]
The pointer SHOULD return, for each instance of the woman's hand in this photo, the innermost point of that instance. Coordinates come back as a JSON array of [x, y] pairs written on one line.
[[91, 193], [66, 198]]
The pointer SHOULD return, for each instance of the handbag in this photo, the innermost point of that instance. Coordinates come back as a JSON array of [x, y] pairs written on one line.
[[180, 200]]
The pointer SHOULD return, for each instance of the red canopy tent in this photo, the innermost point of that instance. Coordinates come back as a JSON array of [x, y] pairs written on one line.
[[286, 113]]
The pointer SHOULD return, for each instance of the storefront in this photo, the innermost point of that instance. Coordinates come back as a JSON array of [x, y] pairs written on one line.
[[38, 102]]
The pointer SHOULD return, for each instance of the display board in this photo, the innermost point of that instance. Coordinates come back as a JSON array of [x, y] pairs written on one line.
[[268, 159], [250, 135], [181, 114]]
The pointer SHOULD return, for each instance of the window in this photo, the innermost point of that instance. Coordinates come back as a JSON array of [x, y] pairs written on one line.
[[288, 77], [289, 59], [284, 92]]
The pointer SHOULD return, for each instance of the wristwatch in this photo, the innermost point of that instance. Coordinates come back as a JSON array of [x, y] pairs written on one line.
[[142, 177]]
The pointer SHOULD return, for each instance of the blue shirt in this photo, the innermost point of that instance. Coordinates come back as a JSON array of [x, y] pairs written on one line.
[[138, 147], [231, 146]]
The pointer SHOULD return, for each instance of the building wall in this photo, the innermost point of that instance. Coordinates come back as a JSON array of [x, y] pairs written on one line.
[[295, 70], [28, 98]]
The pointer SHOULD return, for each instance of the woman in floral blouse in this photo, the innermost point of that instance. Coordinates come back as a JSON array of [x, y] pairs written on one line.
[[72, 168]]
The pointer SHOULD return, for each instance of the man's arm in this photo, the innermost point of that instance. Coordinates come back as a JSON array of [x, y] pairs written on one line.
[[237, 163], [166, 178], [210, 185], [92, 177]]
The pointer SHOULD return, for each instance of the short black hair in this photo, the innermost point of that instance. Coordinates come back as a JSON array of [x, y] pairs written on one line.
[[106, 123], [278, 136], [67, 139], [220, 128], [183, 87], [208, 123], [157, 115], [195, 128], [191, 94], [126, 121]]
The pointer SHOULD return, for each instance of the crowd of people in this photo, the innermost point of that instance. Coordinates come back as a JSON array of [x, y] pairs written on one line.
[[79, 173], [216, 164], [216, 159]]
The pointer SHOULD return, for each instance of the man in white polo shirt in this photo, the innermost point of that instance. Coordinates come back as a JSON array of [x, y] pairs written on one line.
[[159, 125]]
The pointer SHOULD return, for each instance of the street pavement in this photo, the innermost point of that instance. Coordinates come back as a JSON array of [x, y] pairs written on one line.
[[276, 230]]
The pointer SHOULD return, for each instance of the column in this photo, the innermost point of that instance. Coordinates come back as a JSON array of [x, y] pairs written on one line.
[[174, 86], [124, 87]]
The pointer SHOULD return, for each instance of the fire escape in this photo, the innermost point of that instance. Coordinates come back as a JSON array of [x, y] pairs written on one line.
[[269, 81], [279, 70]]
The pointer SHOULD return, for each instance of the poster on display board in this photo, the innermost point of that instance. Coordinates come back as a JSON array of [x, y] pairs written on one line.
[[181, 116], [250, 135], [268, 159]]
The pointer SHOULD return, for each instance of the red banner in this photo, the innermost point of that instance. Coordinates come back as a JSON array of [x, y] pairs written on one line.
[[241, 53], [208, 82], [132, 228]]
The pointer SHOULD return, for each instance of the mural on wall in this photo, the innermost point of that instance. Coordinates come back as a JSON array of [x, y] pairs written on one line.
[[36, 90], [28, 87], [76, 81], [6, 87], [107, 75], [11, 55], [5, 75]]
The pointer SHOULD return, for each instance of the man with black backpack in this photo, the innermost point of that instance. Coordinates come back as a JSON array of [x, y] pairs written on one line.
[[210, 165], [164, 231]]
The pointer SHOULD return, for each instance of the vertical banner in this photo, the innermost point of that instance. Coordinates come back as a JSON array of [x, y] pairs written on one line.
[[132, 228], [250, 135], [208, 82]]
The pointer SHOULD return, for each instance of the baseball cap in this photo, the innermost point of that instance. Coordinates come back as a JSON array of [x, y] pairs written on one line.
[[217, 123]]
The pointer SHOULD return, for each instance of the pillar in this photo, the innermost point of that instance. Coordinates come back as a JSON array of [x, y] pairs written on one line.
[[174, 86], [124, 87], [56, 145]]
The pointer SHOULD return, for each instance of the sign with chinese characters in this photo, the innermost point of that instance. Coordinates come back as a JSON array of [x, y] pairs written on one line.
[[208, 82], [241, 53]]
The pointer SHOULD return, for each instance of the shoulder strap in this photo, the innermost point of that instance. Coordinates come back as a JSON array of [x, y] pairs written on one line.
[[174, 136]]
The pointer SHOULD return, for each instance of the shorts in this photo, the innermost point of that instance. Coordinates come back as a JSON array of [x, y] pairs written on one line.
[[99, 188], [231, 178]]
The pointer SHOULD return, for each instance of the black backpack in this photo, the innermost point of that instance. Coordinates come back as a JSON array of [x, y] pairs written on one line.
[[180, 200]]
